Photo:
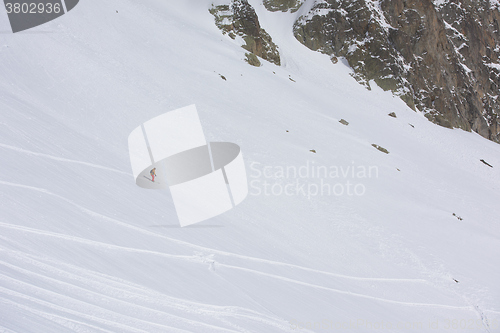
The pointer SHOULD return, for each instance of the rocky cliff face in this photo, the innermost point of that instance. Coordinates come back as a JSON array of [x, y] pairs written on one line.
[[473, 29], [440, 56], [238, 18]]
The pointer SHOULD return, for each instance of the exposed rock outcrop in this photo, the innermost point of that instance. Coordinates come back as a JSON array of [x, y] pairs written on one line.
[[440, 57], [238, 18], [283, 5]]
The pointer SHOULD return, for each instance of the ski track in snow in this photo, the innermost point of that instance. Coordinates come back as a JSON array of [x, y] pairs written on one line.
[[96, 282], [346, 292], [118, 324], [97, 290], [212, 251], [5, 330], [62, 159], [198, 259], [96, 243], [77, 326], [106, 313]]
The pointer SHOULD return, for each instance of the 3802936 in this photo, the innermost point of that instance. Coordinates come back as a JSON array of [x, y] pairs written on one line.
[[32, 8]]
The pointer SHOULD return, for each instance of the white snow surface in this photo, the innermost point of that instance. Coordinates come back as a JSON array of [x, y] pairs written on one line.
[[83, 249]]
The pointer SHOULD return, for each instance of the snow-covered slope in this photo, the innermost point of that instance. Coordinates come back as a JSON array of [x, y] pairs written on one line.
[[83, 249]]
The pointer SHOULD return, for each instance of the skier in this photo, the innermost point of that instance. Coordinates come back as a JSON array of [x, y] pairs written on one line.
[[153, 174]]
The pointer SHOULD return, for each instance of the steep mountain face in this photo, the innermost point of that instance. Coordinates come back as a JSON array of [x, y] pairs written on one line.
[[441, 57], [334, 236], [238, 18], [473, 29]]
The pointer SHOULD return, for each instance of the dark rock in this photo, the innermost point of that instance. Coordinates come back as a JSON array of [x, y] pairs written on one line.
[[382, 149], [491, 166], [344, 122], [283, 5], [392, 114]]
